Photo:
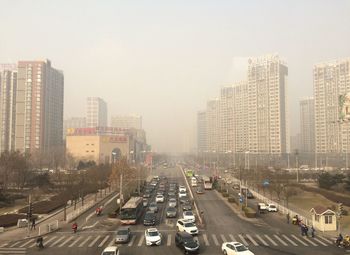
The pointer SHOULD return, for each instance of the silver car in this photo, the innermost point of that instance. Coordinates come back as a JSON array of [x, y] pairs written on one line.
[[122, 235], [171, 212], [172, 202]]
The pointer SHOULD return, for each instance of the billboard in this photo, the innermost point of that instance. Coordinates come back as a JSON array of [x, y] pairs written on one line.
[[344, 107]]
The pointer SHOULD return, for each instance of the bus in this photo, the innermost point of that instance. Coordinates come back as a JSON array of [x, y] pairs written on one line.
[[208, 184], [189, 172], [131, 211], [194, 182]]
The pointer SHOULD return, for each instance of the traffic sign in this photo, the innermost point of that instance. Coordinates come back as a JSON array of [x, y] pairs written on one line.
[[241, 199], [266, 182]]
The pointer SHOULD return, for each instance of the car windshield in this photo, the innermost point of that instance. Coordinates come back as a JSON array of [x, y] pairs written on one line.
[[108, 253], [188, 213], [172, 200], [190, 224], [122, 232], [188, 239], [153, 204], [149, 215], [171, 209], [241, 248], [153, 233]]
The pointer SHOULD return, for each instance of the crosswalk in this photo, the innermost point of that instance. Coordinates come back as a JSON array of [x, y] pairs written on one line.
[[13, 251], [137, 240]]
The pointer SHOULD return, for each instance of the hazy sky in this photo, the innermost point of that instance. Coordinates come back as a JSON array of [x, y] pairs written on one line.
[[165, 59]]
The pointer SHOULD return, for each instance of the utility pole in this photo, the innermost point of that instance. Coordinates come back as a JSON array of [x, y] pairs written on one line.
[[121, 193], [297, 164], [288, 161]]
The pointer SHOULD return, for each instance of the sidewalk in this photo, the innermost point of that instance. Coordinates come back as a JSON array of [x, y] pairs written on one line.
[[55, 220]]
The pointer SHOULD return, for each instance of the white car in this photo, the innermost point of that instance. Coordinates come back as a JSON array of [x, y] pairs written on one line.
[[160, 199], [187, 226], [110, 250], [182, 188], [262, 207], [182, 194], [188, 215], [235, 248], [272, 208], [172, 202], [153, 237]]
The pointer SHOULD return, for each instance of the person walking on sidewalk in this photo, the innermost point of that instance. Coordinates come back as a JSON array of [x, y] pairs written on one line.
[[312, 230], [33, 224], [288, 218]]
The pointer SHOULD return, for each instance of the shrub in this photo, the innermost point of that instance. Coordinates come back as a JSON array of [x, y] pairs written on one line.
[[249, 212], [232, 200], [225, 194]]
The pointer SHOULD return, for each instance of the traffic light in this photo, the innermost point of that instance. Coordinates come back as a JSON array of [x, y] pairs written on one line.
[[30, 210], [340, 209]]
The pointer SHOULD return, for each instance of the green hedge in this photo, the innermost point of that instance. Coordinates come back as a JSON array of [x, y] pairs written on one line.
[[232, 199], [249, 212]]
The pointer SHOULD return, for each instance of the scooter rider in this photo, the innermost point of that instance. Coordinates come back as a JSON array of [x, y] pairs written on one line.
[[339, 239], [39, 242], [75, 227]]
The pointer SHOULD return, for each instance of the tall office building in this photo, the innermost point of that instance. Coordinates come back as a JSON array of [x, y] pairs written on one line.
[[331, 79], [8, 85], [75, 122], [267, 105], [96, 112], [307, 125], [226, 120], [127, 121], [201, 131], [213, 118], [39, 106]]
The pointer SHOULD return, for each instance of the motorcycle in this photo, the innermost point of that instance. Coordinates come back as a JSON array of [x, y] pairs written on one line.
[[74, 227]]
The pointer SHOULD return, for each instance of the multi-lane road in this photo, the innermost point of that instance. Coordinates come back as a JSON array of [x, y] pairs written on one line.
[[269, 234]]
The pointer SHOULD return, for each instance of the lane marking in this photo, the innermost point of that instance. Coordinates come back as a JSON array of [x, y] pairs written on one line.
[[31, 240], [205, 238], [15, 244], [168, 242], [308, 240], [132, 240], [94, 241], [215, 239], [223, 238], [319, 241], [85, 241], [252, 240], [299, 240], [70, 238], [57, 241], [281, 241], [232, 238], [111, 243], [103, 241], [76, 240], [3, 245], [289, 240], [271, 240], [325, 239], [262, 240], [141, 240], [243, 240], [50, 240]]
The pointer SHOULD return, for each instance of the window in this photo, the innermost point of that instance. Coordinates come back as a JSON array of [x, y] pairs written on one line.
[[328, 219], [317, 217]]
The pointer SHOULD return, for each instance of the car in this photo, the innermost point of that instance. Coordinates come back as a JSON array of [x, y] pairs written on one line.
[[186, 242], [153, 207], [147, 195], [111, 250], [153, 237], [172, 202], [235, 248], [182, 188], [149, 219], [122, 235], [186, 206], [171, 212], [200, 190], [172, 196], [182, 194], [186, 226], [160, 199], [250, 195], [262, 207], [145, 202], [272, 208], [171, 193], [160, 192], [184, 200], [188, 215]]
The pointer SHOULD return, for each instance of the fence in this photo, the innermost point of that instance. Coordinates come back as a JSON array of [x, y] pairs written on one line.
[[47, 228]]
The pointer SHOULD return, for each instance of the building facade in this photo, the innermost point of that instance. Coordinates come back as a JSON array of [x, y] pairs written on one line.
[[8, 86], [39, 106], [96, 112], [213, 119], [74, 122], [226, 120], [127, 121], [307, 125], [331, 79], [267, 105], [201, 131]]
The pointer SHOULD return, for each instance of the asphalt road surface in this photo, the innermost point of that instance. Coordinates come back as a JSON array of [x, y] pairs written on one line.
[[269, 235]]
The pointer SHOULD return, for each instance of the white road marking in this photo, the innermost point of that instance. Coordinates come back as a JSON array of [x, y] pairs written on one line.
[[111, 243], [50, 240], [103, 241], [205, 238], [232, 238], [299, 240], [141, 240], [132, 240], [319, 241], [325, 239], [243, 240], [308, 240], [215, 239], [262, 240], [281, 241], [57, 241], [76, 240], [271, 240], [252, 240], [168, 241], [31, 240], [223, 238], [15, 244], [85, 241], [3, 245], [289, 240], [13, 251], [70, 238], [94, 241]]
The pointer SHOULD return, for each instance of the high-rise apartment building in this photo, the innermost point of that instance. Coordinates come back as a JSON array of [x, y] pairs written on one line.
[[202, 131], [226, 120], [331, 79], [96, 112], [127, 121], [213, 119], [39, 106], [75, 122], [8, 85], [267, 105], [307, 125]]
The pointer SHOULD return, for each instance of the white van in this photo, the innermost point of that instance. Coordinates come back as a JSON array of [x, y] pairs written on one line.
[[194, 182]]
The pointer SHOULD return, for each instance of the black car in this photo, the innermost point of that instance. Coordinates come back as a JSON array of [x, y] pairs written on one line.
[[147, 195], [184, 200], [149, 219], [187, 243], [186, 207]]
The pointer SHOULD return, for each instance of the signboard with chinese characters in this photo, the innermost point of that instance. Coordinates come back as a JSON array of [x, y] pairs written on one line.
[[114, 139]]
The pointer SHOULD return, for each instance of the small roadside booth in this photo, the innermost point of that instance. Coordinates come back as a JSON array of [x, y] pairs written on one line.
[[324, 219]]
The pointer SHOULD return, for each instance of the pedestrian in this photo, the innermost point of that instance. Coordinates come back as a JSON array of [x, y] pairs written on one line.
[[302, 229], [306, 230], [312, 231], [33, 224], [288, 218]]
